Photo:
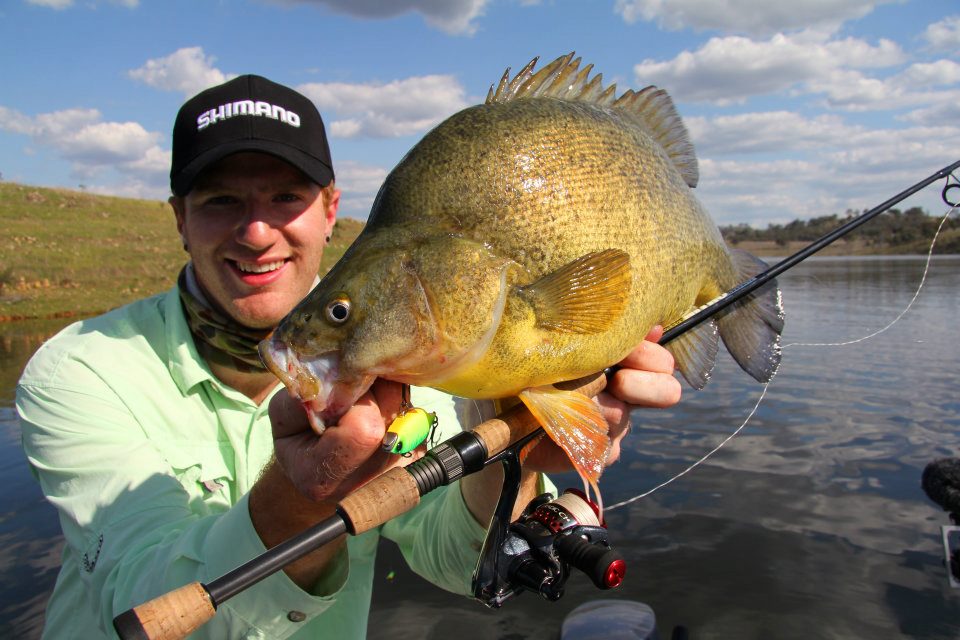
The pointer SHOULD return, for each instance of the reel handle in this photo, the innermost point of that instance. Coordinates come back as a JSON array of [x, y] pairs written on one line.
[[604, 566]]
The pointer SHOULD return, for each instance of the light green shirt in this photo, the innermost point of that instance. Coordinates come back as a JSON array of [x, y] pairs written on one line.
[[148, 458]]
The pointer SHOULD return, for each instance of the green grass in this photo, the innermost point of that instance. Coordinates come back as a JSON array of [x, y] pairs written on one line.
[[68, 253]]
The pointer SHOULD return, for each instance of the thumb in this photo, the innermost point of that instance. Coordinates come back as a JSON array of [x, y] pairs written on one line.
[[287, 415]]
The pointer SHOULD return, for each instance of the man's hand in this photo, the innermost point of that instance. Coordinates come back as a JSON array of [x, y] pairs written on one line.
[[645, 379], [347, 455], [311, 474]]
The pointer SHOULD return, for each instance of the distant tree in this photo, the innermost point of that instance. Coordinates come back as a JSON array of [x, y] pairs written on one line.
[[894, 231]]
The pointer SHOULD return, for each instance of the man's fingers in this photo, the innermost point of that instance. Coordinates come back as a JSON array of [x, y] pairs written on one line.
[[645, 388], [388, 396], [655, 334], [649, 356], [348, 454]]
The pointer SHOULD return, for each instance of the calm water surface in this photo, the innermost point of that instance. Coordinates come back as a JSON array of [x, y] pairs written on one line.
[[809, 524]]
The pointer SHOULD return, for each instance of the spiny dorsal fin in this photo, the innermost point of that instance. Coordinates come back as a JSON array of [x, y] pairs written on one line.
[[564, 79]]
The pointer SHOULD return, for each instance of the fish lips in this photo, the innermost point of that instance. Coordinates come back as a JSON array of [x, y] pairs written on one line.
[[313, 380]]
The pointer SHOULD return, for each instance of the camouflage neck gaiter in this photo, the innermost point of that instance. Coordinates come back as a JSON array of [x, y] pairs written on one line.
[[218, 337]]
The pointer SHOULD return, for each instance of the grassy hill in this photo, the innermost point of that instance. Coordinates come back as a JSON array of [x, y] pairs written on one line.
[[68, 253]]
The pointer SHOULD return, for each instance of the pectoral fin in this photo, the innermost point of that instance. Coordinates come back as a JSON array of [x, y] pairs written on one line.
[[574, 422], [584, 296]]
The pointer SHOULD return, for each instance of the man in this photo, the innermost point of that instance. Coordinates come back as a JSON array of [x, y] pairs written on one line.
[[148, 427]]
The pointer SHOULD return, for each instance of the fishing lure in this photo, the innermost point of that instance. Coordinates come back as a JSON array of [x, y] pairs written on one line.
[[410, 428]]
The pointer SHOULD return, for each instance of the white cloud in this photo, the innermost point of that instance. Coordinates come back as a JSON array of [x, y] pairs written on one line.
[[945, 112], [15, 122], [384, 110], [187, 70], [451, 16], [730, 69], [766, 132], [66, 4], [931, 74], [107, 143], [52, 4], [359, 184], [857, 169], [91, 145], [755, 17], [944, 35]]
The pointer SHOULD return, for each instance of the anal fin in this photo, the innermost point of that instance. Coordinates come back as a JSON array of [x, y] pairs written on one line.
[[575, 423]]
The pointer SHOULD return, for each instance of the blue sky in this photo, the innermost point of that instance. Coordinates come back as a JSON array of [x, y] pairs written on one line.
[[797, 109]]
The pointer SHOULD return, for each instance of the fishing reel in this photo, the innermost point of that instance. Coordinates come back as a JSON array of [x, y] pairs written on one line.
[[538, 551]]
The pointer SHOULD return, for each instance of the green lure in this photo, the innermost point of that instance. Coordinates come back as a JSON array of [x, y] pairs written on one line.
[[408, 431]]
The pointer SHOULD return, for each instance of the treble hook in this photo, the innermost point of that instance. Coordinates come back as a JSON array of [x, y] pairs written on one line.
[[946, 189]]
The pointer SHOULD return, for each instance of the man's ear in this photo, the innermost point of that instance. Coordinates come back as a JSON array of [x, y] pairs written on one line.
[[332, 207], [179, 211]]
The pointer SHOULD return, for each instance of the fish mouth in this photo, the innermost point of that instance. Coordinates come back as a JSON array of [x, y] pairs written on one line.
[[314, 380]]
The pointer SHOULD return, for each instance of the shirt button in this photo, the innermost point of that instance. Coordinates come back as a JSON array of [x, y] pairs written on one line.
[[296, 616]]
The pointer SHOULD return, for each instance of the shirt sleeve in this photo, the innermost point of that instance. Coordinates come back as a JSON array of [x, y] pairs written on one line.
[[132, 530]]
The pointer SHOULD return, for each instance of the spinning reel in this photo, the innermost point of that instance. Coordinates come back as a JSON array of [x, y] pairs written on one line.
[[536, 553]]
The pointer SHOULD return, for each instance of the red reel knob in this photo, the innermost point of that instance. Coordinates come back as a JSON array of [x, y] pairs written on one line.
[[614, 574]]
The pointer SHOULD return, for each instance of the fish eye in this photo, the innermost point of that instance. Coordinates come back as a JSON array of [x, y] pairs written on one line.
[[338, 310]]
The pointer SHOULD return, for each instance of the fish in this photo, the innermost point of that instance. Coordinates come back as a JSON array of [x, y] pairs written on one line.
[[535, 238]]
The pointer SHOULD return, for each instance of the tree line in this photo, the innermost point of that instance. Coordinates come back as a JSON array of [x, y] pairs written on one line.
[[894, 231]]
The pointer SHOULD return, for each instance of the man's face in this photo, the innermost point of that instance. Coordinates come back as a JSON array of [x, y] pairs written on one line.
[[255, 228]]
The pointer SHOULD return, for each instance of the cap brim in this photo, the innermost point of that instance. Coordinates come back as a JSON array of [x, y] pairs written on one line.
[[309, 165]]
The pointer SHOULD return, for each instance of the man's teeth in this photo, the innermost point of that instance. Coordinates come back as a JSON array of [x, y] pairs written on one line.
[[249, 267]]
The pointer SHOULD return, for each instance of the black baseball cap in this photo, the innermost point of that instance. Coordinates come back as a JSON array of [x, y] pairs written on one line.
[[248, 113]]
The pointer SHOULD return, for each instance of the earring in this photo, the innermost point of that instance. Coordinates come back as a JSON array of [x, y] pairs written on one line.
[[328, 239]]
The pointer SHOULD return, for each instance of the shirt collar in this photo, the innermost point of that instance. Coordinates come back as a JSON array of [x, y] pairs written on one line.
[[186, 366]]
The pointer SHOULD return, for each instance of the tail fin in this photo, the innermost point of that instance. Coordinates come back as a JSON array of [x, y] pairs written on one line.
[[751, 327]]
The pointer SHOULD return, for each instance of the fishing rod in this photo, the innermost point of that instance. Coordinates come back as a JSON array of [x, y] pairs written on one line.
[[178, 613], [726, 299]]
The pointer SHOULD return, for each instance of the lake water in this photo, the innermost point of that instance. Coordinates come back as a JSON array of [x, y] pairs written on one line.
[[811, 523]]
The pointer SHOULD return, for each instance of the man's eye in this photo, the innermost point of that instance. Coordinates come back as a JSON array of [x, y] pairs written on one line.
[[220, 200], [288, 197]]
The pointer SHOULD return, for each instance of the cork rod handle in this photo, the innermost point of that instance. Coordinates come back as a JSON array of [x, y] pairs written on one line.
[[171, 616]]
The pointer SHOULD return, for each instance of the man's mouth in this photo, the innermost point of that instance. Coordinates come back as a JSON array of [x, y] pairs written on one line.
[[254, 267]]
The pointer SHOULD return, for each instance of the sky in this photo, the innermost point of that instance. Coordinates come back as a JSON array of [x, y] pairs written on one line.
[[796, 109]]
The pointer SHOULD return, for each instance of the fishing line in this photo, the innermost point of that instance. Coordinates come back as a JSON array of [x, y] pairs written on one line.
[[763, 392], [701, 460], [923, 279]]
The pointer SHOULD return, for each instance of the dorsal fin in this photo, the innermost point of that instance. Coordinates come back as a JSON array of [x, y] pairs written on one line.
[[564, 79]]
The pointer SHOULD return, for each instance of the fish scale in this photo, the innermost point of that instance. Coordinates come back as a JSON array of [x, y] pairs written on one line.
[[532, 239]]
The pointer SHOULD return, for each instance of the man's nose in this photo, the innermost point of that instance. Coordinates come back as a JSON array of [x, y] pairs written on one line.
[[255, 229]]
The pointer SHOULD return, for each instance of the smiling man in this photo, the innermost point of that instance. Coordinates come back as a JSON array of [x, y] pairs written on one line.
[[173, 456]]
